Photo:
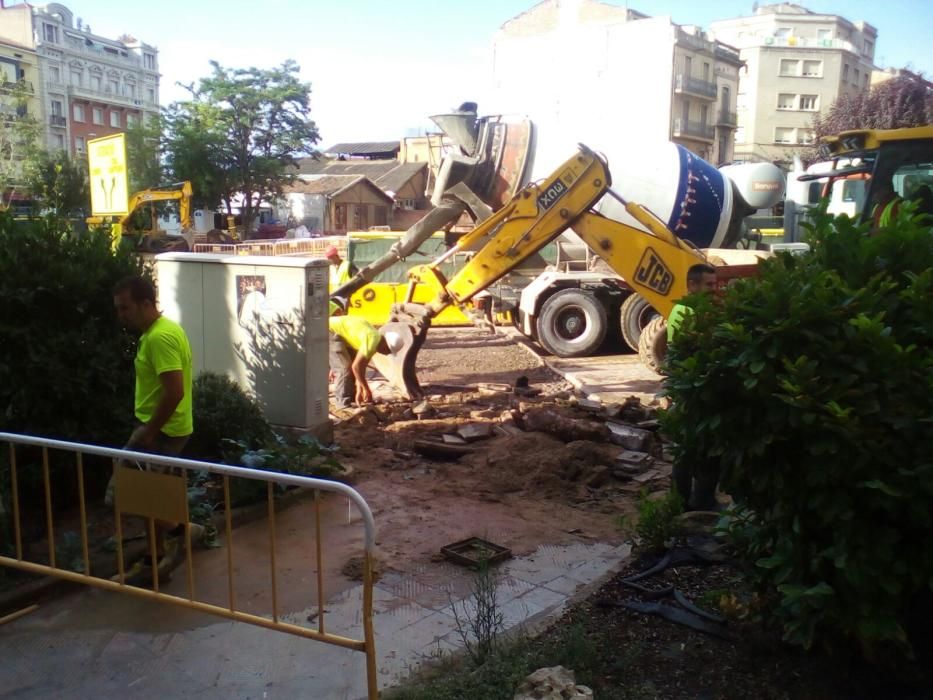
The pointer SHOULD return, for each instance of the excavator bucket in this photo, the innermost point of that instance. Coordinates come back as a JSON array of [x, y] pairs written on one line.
[[399, 366]]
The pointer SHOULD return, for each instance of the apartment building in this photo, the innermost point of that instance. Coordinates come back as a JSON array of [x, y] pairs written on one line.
[[87, 85], [616, 80], [797, 63]]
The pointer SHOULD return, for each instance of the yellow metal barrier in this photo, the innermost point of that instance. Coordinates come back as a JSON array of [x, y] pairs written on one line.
[[159, 496]]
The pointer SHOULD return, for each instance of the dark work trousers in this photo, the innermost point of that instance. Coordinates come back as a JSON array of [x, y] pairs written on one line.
[[341, 357]]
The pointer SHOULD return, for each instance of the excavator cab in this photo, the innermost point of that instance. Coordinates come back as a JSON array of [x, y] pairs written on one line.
[[869, 167]]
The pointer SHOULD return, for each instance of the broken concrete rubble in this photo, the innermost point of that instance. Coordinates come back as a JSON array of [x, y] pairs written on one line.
[[567, 429], [629, 437], [475, 431]]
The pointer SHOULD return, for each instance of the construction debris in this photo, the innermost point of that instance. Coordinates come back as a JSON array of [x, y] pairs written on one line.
[[567, 429], [475, 431]]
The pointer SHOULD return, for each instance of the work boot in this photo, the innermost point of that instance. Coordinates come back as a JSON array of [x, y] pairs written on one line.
[[704, 495]]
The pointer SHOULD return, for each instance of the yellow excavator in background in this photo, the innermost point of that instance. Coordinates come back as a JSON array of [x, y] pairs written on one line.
[[148, 239]]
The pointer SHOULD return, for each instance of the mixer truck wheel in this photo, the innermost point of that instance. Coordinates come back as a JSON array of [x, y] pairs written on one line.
[[572, 323], [634, 315], [652, 344]]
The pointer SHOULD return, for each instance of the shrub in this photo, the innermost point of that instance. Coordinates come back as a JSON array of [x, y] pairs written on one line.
[[223, 411], [811, 388], [66, 365], [657, 518]]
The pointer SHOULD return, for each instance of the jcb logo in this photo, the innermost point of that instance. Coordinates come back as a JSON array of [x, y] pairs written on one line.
[[552, 194], [653, 273]]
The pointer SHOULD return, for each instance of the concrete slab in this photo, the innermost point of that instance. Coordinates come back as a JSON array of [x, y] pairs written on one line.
[[608, 378], [102, 644]]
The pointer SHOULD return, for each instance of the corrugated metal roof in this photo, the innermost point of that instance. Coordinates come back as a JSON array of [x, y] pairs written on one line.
[[323, 184], [390, 175], [366, 148]]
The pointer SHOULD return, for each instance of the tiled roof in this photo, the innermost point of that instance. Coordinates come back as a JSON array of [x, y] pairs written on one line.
[[365, 149]]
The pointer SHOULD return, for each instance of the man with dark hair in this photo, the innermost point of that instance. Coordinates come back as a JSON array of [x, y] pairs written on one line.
[[700, 278], [689, 480], [162, 398]]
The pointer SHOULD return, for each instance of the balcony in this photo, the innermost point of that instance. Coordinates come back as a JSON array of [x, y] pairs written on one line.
[[694, 42], [21, 86], [57, 120], [110, 97], [727, 118], [684, 84], [685, 128]]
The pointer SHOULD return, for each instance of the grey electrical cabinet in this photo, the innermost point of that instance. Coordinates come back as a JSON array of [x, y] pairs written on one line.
[[260, 320]]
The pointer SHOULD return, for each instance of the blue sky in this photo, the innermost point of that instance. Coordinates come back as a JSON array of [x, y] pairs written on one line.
[[378, 68]]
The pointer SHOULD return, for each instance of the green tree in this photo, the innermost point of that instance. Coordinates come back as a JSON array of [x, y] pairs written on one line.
[[19, 133], [194, 150], [241, 133], [59, 183], [143, 162]]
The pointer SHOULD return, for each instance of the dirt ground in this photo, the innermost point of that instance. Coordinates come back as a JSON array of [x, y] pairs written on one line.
[[518, 489]]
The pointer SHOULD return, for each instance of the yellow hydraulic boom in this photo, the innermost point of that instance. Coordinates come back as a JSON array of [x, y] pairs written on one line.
[[654, 263]]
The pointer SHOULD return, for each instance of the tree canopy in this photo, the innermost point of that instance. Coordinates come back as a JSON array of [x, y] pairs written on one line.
[[240, 134], [899, 102]]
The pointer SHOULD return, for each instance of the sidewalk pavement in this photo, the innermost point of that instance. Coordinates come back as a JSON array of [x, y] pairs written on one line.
[[101, 644]]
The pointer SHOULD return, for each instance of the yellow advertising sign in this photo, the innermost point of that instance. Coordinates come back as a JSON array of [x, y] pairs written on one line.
[[106, 158]]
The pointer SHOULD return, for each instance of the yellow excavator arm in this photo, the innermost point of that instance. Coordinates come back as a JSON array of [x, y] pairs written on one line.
[[655, 263]]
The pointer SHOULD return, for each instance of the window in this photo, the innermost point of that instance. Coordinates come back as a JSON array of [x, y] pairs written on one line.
[[809, 103], [131, 90], [706, 72], [150, 94], [95, 82], [804, 136], [50, 32], [789, 66], [57, 108], [740, 134], [405, 203], [113, 86], [704, 115], [783, 134], [786, 100], [149, 61], [855, 79], [76, 78], [55, 74], [865, 80], [97, 115], [782, 32], [813, 69], [59, 140], [78, 113], [824, 35], [115, 120], [688, 65], [845, 71], [79, 144], [869, 49], [130, 120]]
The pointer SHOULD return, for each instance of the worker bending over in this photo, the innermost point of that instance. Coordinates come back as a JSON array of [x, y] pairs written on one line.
[[353, 342]]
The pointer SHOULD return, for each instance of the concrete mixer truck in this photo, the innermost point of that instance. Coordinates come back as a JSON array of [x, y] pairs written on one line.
[[674, 205]]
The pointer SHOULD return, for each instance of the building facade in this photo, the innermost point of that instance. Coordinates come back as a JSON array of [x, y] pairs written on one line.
[[614, 79], [18, 79], [87, 86], [797, 63]]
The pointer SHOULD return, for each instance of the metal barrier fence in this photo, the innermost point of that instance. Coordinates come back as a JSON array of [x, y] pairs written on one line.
[[162, 496], [285, 246]]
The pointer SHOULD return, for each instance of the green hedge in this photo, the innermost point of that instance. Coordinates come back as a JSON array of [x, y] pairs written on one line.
[[811, 389]]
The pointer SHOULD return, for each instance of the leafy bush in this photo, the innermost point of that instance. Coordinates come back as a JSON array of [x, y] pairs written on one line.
[[223, 411], [657, 518], [66, 365], [811, 388]]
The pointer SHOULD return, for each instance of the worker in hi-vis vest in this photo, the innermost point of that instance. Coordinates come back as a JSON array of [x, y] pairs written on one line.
[[341, 271]]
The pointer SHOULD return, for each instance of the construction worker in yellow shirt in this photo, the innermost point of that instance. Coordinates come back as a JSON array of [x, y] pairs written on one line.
[[353, 342], [341, 271]]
